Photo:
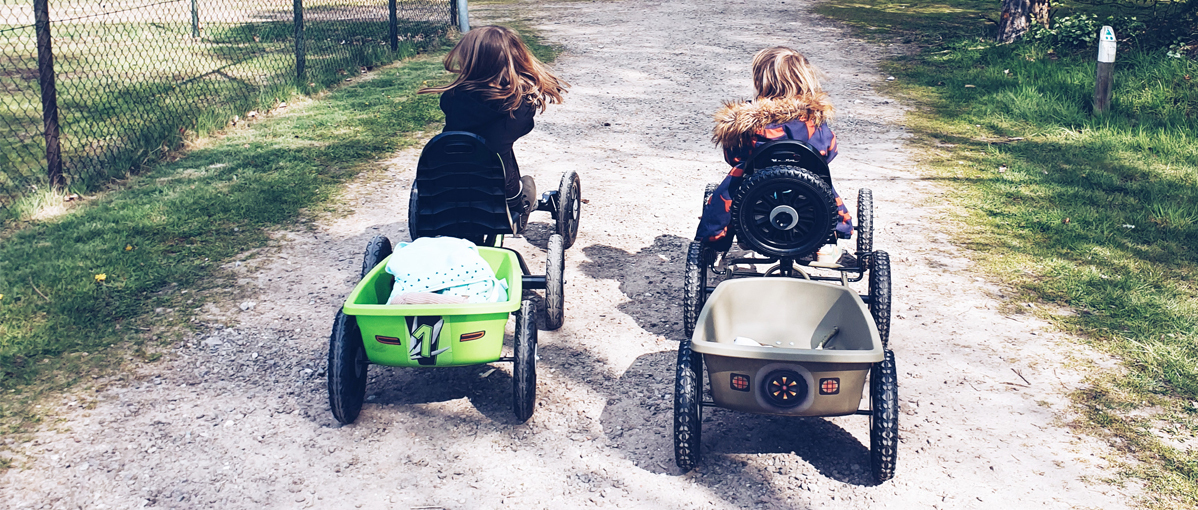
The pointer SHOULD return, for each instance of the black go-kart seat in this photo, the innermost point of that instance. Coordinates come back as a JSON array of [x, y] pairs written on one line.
[[785, 208], [459, 190]]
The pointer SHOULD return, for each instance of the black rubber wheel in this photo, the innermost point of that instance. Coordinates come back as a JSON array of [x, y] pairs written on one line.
[[708, 192], [694, 289], [524, 368], [784, 211], [377, 249], [555, 283], [879, 294], [569, 207], [688, 390], [413, 212], [883, 418], [865, 222], [347, 369]]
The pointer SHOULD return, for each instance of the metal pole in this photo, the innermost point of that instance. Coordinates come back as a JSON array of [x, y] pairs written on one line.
[[463, 16], [298, 6], [45, 74], [393, 34], [195, 19], [1105, 73]]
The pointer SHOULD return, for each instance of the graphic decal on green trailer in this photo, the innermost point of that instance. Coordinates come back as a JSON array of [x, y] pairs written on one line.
[[425, 334]]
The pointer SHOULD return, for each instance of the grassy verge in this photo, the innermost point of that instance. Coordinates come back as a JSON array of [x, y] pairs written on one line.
[[1096, 214], [73, 286]]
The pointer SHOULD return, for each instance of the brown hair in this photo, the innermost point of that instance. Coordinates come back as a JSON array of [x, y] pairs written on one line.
[[494, 60], [781, 72]]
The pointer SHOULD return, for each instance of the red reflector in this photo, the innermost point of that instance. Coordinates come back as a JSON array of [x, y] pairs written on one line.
[[389, 340], [829, 386], [466, 337], [740, 382]]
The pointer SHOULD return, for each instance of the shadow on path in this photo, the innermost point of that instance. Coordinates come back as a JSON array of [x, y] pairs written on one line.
[[651, 279], [638, 420]]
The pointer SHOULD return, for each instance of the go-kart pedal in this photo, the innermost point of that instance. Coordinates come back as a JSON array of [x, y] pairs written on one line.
[[549, 202]]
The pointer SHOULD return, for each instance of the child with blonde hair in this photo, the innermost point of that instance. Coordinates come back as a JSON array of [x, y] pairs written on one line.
[[790, 105], [500, 85]]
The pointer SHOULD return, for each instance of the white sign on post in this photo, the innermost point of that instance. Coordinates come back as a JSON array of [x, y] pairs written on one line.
[[1105, 74], [1106, 45]]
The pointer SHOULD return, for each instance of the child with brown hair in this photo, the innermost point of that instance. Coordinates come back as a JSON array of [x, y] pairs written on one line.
[[790, 105], [499, 87]]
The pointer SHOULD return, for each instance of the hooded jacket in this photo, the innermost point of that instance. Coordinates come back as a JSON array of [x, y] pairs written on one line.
[[468, 111], [741, 126]]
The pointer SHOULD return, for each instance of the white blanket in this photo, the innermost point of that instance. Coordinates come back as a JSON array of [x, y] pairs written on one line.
[[444, 265]]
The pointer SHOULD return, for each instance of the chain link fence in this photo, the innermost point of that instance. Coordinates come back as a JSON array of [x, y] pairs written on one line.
[[92, 88]]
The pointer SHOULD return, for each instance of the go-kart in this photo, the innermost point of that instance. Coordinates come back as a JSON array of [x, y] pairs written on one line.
[[458, 192], [793, 339]]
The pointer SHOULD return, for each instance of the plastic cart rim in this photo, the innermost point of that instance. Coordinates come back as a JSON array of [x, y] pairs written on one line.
[[515, 290]]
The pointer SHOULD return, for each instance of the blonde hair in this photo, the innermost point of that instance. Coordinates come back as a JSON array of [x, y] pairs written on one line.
[[494, 60], [781, 72]]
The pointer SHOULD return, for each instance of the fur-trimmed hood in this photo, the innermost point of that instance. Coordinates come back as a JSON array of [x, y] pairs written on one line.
[[737, 121]]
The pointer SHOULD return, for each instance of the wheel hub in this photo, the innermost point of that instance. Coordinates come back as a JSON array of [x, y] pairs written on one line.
[[784, 217], [784, 388]]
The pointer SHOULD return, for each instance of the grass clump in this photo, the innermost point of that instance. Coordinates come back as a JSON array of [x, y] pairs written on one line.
[[1094, 212]]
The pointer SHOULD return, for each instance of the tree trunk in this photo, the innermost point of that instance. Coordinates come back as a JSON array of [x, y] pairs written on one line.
[[1040, 12], [1013, 22]]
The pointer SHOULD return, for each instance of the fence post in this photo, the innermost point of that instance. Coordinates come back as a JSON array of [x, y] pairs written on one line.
[[45, 75], [1105, 74], [298, 6], [195, 19], [393, 34], [463, 17]]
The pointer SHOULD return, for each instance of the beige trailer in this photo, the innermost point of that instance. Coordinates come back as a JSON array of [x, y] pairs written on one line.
[[792, 340]]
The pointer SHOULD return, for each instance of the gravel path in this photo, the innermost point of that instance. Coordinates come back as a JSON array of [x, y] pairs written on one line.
[[238, 417]]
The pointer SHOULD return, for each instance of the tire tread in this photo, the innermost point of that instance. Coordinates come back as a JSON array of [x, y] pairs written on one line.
[[799, 177], [687, 410], [884, 429]]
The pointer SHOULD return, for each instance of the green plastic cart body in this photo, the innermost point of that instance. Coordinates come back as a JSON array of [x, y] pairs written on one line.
[[434, 335]]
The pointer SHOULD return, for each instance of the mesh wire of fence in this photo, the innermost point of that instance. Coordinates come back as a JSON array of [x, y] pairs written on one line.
[[132, 76]]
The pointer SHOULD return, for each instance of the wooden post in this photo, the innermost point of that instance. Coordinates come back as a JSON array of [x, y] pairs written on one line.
[[195, 19], [1105, 75], [393, 26], [300, 60], [45, 80], [463, 16]]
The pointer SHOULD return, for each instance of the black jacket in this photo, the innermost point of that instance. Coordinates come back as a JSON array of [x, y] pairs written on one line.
[[468, 111]]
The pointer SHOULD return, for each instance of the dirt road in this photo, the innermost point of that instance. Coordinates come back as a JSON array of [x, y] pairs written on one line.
[[238, 417]]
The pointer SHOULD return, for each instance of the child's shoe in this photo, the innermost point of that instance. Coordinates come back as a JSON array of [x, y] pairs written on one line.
[[524, 204], [827, 254], [833, 256]]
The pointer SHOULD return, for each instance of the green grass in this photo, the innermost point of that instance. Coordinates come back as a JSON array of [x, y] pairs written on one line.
[[159, 241], [127, 92], [1097, 214]]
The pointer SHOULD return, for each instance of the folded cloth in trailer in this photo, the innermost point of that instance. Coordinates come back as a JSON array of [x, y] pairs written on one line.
[[443, 265]]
